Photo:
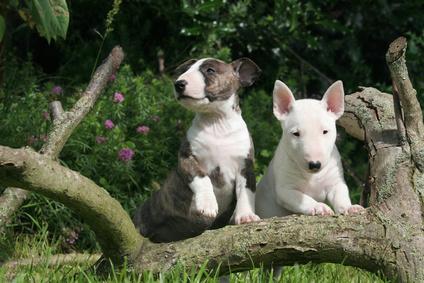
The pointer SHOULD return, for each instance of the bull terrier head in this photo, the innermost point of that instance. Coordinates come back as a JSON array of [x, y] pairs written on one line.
[[209, 85], [309, 125]]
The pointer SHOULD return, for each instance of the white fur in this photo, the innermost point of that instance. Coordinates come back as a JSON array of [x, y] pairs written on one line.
[[289, 186], [244, 212], [204, 201], [195, 81], [222, 140]]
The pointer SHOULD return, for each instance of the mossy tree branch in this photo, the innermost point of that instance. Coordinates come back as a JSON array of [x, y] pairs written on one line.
[[35, 172]]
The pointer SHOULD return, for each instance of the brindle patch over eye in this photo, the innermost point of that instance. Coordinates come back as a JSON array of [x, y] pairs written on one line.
[[220, 80]]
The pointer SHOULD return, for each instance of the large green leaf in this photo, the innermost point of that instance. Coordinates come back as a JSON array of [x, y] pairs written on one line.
[[2, 27], [51, 17]]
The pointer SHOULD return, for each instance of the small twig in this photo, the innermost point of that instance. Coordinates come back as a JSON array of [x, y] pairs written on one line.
[[398, 116], [161, 62], [301, 59], [312, 67], [56, 110]]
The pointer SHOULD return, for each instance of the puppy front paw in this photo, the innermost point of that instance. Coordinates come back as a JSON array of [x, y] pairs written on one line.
[[204, 205], [322, 209], [353, 209], [246, 218]]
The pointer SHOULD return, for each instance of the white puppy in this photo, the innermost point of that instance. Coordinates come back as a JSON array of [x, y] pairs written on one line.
[[306, 170]]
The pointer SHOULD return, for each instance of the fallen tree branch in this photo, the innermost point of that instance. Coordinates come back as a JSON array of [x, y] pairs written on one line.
[[113, 227], [356, 240], [63, 125], [282, 241]]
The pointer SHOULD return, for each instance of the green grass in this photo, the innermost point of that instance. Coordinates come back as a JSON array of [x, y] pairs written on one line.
[[43, 245]]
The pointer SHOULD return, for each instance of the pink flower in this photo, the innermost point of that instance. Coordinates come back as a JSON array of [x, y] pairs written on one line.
[[125, 154], [109, 124], [72, 237], [118, 97], [57, 89], [101, 139], [112, 78], [143, 130], [31, 140], [46, 115], [155, 118]]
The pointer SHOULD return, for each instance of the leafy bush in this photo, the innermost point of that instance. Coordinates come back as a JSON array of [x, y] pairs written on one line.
[[131, 137]]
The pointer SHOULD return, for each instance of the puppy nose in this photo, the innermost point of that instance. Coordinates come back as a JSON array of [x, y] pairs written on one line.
[[180, 85], [313, 166]]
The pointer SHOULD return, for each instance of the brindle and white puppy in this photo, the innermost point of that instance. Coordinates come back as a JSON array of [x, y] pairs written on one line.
[[214, 181]]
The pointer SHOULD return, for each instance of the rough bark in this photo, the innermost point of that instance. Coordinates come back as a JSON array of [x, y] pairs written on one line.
[[388, 236], [356, 240], [63, 125]]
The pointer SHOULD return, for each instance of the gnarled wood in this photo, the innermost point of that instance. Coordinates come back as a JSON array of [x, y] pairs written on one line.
[[412, 114]]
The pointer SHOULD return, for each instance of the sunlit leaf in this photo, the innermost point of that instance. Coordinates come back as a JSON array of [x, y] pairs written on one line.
[[51, 17]]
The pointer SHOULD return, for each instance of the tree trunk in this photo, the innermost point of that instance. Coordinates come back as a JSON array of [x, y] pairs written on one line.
[[387, 237]]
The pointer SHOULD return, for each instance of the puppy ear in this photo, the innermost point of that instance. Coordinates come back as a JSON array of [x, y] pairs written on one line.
[[333, 99], [247, 71], [283, 100], [184, 67]]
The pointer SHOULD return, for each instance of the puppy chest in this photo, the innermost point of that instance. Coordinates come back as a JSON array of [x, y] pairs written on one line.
[[317, 187], [223, 158]]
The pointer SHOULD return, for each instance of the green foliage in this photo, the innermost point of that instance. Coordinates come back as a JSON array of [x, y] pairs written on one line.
[[266, 132], [51, 17], [148, 121], [111, 15]]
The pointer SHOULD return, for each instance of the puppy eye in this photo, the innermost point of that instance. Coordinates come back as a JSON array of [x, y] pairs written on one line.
[[325, 132], [210, 71], [296, 134]]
